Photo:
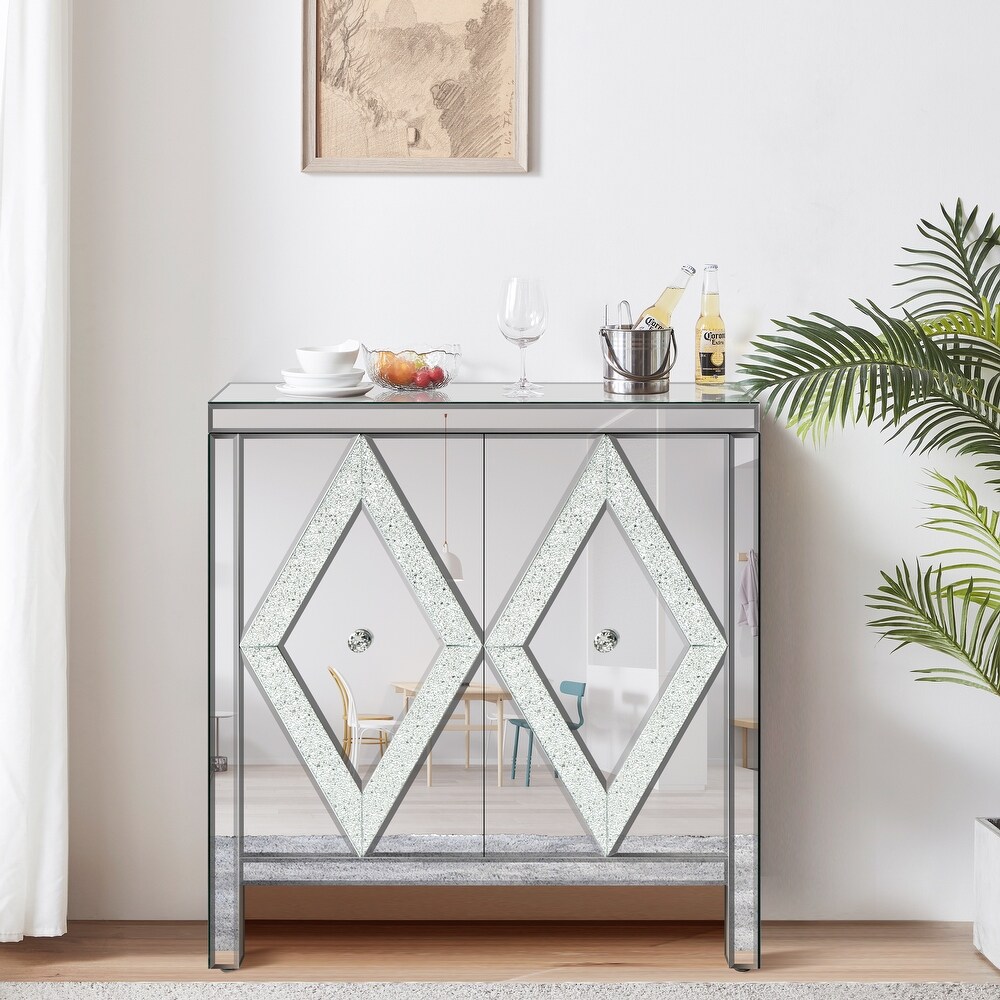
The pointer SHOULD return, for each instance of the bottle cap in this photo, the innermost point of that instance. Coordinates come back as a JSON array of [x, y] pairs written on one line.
[[688, 270], [711, 267]]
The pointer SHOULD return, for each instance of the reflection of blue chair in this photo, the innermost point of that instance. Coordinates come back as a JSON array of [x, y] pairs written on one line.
[[576, 690]]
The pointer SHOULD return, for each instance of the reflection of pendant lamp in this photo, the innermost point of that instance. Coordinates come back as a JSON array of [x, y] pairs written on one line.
[[452, 564]]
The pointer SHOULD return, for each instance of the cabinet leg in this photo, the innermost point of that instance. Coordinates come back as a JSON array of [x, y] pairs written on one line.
[[225, 787]]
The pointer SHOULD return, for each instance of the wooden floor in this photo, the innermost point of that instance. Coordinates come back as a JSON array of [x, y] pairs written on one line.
[[541, 952]]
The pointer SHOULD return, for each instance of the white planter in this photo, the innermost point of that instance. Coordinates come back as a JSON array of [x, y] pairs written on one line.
[[986, 930]]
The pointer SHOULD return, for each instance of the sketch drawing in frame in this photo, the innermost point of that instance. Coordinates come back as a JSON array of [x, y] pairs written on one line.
[[416, 85]]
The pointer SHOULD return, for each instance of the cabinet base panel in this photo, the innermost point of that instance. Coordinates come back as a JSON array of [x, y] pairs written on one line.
[[484, 903]]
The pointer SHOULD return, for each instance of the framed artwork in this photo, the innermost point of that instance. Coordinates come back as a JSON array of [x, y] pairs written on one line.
[[416, 85]]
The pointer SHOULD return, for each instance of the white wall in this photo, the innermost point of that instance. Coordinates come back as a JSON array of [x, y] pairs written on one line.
[[795, 143]]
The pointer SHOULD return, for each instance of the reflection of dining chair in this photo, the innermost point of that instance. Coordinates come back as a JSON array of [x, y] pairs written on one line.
[[491, 718], [574, 689], [375, 730]]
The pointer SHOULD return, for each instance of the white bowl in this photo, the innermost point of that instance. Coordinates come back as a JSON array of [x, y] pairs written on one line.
[[328, 360], [296, 376]]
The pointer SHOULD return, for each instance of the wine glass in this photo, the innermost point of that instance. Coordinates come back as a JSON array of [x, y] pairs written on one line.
[[522, 314]]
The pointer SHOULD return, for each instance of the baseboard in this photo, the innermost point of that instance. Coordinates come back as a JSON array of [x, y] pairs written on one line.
[[322, 902]]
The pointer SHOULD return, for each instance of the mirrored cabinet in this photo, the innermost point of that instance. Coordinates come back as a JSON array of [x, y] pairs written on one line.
[[566, 693]]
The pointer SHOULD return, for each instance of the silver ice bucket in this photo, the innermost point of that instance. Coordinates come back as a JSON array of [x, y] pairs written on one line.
[[637, 362]]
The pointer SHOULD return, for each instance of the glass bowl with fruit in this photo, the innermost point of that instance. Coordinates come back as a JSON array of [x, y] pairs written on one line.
[[412, 370]]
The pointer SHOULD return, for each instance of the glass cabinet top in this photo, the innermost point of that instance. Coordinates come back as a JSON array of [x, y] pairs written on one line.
[[491, 394]]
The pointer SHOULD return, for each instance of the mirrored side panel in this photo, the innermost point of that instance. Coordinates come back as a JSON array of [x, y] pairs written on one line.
[[743, 926], [225, 891]]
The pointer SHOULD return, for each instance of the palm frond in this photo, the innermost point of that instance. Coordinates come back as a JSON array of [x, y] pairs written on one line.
[[930, 388], [920, 609], [820, 370], [958, 265], [964, 422], [816, 429], [967, 326], [977, 557]]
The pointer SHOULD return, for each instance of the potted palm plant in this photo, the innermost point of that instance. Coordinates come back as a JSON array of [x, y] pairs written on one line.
[[928, 371]]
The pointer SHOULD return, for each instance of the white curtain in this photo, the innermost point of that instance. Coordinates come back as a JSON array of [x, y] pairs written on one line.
[[34, 194]]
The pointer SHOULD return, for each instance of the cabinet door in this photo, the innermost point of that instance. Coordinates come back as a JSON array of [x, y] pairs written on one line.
[[606, 583], [361, 647]]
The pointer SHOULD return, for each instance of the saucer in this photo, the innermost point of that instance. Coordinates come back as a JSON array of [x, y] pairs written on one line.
[[326, 392], [296, 376]]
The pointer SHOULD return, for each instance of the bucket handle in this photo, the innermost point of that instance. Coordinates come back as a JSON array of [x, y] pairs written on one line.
[[668, 361]]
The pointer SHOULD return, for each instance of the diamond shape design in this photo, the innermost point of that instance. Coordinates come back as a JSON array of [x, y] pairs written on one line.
[[607, 808], [650, 644], [362, 814]]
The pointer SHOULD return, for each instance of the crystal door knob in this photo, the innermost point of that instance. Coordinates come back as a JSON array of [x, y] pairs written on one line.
[[360, 640], [605, 640]]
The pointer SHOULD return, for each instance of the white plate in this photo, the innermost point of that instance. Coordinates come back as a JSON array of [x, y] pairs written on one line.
[[296, 376], [342, 383], [329, 392]]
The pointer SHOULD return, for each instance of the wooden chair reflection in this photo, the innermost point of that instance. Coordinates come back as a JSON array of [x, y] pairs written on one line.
[[375, 730]]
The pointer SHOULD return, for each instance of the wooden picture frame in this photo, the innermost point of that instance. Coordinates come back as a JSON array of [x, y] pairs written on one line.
[[349, 126]]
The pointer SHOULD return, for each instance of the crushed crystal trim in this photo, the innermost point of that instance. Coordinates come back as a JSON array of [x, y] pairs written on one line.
[[361, 813], [607, 807]]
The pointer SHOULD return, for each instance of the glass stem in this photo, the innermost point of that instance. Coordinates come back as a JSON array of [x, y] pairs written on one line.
[[524, 376]]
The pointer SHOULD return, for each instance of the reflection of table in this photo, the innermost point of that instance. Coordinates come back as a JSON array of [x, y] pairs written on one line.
[[746, 725], [473, 692], [219, 763]]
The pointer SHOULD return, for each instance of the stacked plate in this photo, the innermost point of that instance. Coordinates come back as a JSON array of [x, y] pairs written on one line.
[[329, 373]]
